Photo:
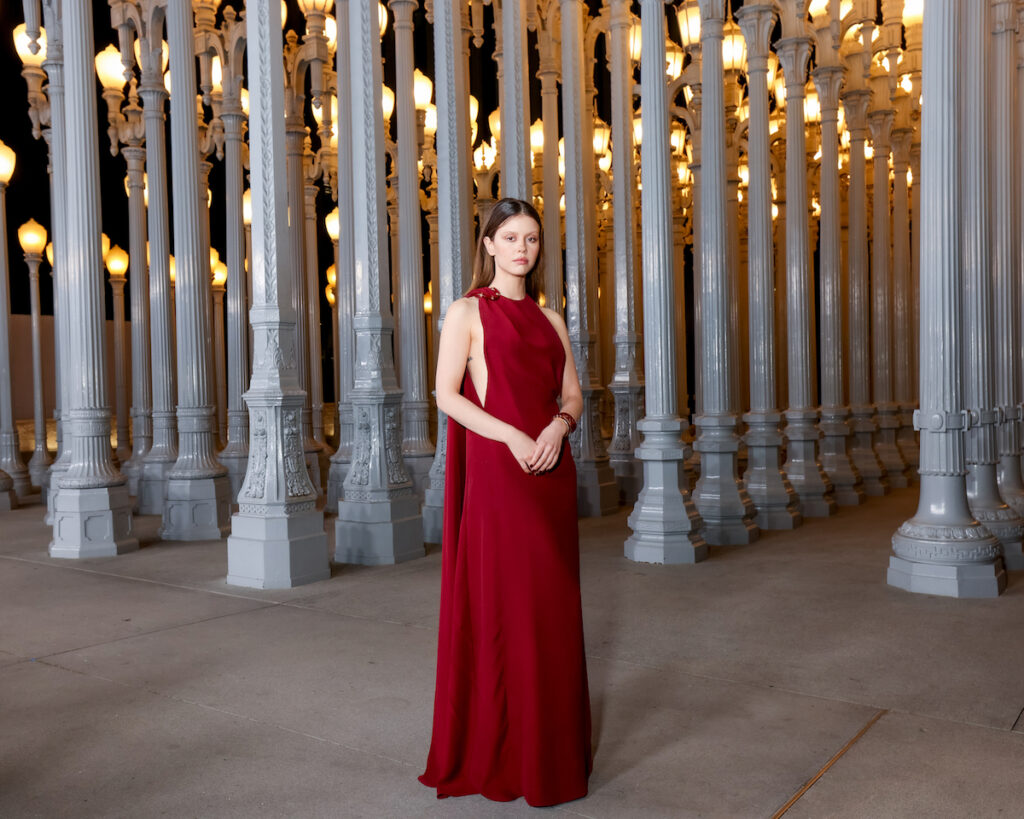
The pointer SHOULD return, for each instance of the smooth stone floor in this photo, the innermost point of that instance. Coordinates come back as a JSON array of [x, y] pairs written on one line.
[[143, 685]]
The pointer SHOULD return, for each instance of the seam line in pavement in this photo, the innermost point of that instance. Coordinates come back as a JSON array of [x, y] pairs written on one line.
[[824, 769]]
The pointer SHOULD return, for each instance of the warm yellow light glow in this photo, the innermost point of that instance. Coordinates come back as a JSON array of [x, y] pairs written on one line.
[[32, 237], [635, 41], [284, 14], [333, 224], [474, 108], [845, 7], [109, 68], [602, 135], [332, 275], [537, 136], [812, 106], [906, 83], [674, 58], [542, 300], [104, 245], [422, 89], [910, 177], [309, 6], [689, 23], [117, 262], [775, 211], [7, 163], [216, 75], [869, 151], [913, 12], [780, 91], [171, 269], [214, 257], [49, 253], [428, 303], [27, 58], [382, 18], [604, 162], [744, 174], [243, 98], [329, 292], [430, 119], [318, 112], [387, 102], [734, 48], [773, 68], [167, 82], [247, 206], [819, 11], [677, 137], [638, 130], [165, 54], [331, 32], [220, 274], [494, 123]]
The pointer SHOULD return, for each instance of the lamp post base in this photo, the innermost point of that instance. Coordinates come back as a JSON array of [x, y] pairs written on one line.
[[94, 522]]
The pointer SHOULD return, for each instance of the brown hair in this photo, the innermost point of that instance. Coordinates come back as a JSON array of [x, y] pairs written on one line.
[[483, 263]]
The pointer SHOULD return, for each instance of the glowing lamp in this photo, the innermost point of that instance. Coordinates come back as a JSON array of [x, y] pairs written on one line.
[[220, 274], [422, 89], [32, 237], [382, 18], [635, 41], [247, 206], [494, 123], [428, 303], [689, 23], [117, 262], [21, 45], [819, 11], [329, 292], [49, 253], [602, 136], [109, 69], [474, 108], [332, 276], [430, 119], [214, 257], [674, 58], [309, 6], [734, 48], [216, 75], [333, 225], [105, 245], [387, 102], [913, 12], [172, 269], [537, 136], [7, 161]]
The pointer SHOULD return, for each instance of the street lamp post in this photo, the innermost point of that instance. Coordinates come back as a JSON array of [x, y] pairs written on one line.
[[32, 237], [117, 265]]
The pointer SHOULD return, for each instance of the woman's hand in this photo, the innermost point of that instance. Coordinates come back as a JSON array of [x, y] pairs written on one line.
[[522, 447], [548, 447]]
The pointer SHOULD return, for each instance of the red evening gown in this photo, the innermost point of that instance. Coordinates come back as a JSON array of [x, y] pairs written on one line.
[[511, 704]]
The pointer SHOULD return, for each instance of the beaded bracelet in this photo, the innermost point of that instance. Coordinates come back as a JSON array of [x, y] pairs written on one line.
[[568, 420]]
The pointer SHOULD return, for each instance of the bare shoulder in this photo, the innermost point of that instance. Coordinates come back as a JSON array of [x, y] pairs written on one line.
[[463, 312], [556, 321]]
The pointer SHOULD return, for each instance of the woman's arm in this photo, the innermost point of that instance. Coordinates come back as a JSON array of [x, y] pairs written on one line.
[[453, 353], [549, 442]]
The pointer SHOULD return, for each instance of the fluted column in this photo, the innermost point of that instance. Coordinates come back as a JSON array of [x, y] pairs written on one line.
[[835, 440], [943, 549], [40, 460], [516, 176], [235, 455], [198, 501], [57, 144], [549, 75], [769, 489], [1005, 263], [164, 450], [626, 385], [123, 450], [906, 439], [142, 411], [597, 493], [812, 486], [219, 361], [277, 538], [982, 452], [295, 136], [454, 206], [880, 121], [11, 462], [311, 282], [862, 451], [664, 521], [92, 509], [721, 499], [345, 269], [378, 516], [417, 448]]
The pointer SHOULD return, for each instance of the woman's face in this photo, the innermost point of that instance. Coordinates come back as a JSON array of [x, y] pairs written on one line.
[[515, 246]]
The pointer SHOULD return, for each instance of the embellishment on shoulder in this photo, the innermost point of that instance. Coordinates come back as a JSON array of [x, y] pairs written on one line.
[[489, 293]]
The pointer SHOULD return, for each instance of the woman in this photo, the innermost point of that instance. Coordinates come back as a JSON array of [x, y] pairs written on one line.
[[511, 706]]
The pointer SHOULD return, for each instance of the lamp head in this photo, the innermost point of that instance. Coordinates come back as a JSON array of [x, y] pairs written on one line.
[[220, 274], [247, 207], [7, 161], [109, 69], [329, 292], [333, 224], [422, 89], [32, 237], [21, 45], [332, 276], [105, 245], [117, 262]]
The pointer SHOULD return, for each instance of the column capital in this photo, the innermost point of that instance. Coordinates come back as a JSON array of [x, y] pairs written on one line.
[[1003, 17], [880, 123], [756, 21], [827, 80], [794, 54], [855, 103], [711, 11], [901, 141]]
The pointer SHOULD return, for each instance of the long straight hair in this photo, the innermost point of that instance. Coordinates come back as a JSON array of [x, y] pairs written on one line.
[[483, 262]]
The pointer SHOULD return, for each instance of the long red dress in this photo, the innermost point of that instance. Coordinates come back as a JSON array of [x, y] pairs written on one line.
[[511, 705]]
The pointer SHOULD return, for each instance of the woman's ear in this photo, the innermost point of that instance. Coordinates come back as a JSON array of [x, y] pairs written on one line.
[[489, 245]]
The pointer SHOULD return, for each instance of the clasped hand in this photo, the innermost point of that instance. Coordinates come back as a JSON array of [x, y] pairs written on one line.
[[541, 455]]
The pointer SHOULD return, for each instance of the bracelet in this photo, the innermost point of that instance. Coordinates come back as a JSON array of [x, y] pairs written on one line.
[[568, 420]]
